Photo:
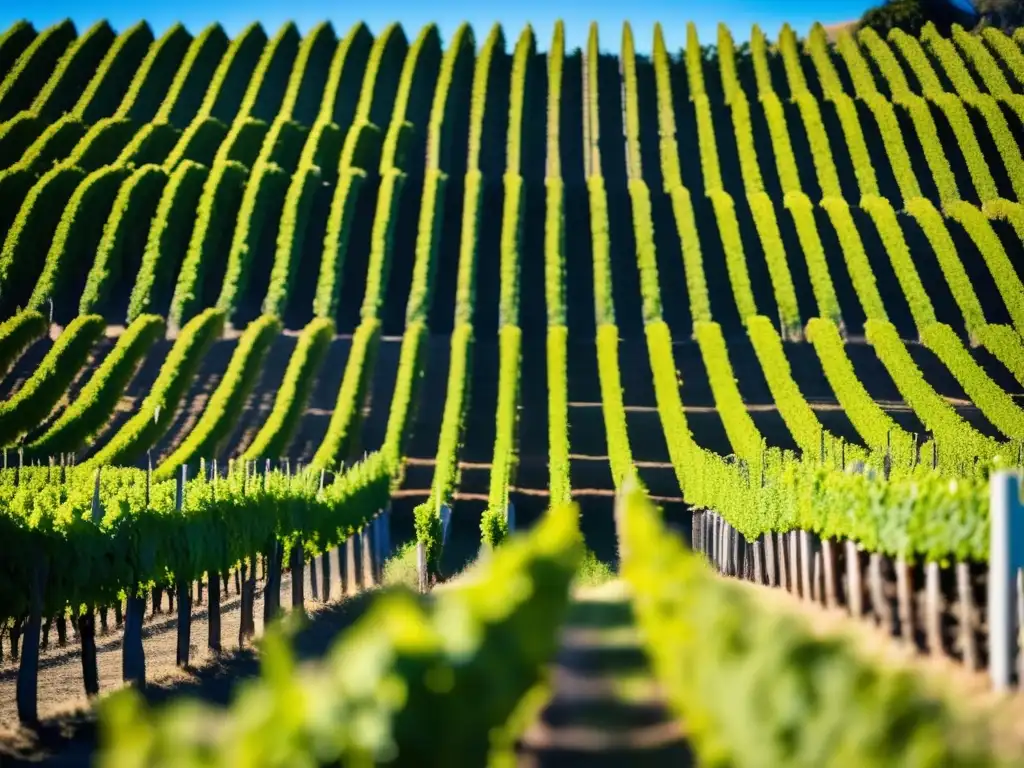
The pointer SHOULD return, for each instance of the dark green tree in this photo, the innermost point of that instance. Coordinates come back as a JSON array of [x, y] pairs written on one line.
[[1004, 14], [912, 15]]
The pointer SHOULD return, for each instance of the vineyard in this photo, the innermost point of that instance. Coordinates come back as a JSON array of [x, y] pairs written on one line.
[[287, 308]]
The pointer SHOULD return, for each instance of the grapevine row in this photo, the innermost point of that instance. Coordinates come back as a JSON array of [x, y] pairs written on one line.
[[494, 525], [34, 401], [157, 411], [95, 403], [225, 404], [560, 486]]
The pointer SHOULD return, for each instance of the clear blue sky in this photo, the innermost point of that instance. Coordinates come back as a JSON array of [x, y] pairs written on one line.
[[413, 14]]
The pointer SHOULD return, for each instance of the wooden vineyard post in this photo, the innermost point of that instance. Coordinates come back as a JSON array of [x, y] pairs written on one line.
[[297, 561], [421, 565], [794, 563], [712, 534], [272, 588], [933, 608], [732, 552], [247, 621], [325, 574], [828, 565], [338, 569], [879, 601], [377, 542], [757, 553], [133, 655], [905, 601], [716, 541], [62, 629], [28, 670], [213, 608], [965, 598], [351, 579], [722, 543], [730, 548], [314, 578], [87, 639], [783, 564], [806, 558], [854, 583], [366, 540], [1006, 558], [184, 586], [386, 530], [383, 541], [744, 567], [735, 553], [770, 561], [817, 577]]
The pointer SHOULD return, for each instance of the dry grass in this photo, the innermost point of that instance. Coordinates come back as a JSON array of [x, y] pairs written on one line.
[[834, 30]]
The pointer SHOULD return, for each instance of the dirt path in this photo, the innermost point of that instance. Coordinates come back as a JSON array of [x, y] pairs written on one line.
[[605, 709]]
